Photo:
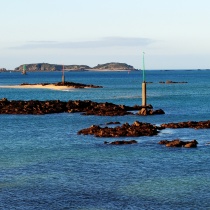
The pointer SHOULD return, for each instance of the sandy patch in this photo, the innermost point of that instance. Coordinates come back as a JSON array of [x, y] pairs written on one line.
[[50, 86]]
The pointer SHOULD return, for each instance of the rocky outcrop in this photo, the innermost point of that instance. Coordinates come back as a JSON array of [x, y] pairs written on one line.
[[179, 143], [134, 130], [31, 107], [50, 67], [57, 67], [189, 124], [87, 107], [148, 111], [121, 142], [114, 66], [68, 84], [171, 82], [112, 123], [100, 109]]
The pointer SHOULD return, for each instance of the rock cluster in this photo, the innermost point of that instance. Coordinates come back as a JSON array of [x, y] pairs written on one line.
[[189, 124], [121, 142], [31, 107], [150, 111], [179, 143], [76, 85], [87, 107], [134, 130], [112, 123]]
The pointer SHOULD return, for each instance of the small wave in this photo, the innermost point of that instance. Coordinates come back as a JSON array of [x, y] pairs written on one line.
[[122, 97], [68, 90]]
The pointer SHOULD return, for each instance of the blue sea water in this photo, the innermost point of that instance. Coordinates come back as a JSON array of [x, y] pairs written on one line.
[[44, 164]]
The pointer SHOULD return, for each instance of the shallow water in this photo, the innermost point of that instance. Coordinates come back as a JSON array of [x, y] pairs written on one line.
[[44, 164]]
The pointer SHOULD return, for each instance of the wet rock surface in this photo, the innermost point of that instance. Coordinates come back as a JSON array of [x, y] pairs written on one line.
[[150, 112], [87, 107], [121, 142], [134, 130], [189, 124], [112, 123], [179, 143]]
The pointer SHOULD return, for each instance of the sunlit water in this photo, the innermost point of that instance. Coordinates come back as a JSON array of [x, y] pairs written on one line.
[[44, 164]]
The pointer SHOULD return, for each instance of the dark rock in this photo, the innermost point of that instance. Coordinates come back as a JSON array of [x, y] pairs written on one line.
[[121, 142], [147, 111], [134, 130], [159, 111], [76, 85], [189, 124], [171, 82], [179, 143], [163, 142], [4, 100], [112, 123], [87, 107]]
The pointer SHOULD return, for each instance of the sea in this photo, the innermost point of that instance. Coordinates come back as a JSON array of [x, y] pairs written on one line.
[[46, 165]]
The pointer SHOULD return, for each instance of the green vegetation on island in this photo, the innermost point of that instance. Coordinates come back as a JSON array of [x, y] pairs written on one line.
[[50, 67], [56, 67], [114, 66]]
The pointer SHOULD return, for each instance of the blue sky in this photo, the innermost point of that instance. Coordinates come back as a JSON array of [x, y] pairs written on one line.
[[174, 34]]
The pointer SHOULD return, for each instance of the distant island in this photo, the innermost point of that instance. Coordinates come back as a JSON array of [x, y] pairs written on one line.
[[113, 66], [3, 70]]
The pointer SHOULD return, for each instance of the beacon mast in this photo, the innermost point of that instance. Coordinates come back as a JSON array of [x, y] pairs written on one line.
[[143, 110]]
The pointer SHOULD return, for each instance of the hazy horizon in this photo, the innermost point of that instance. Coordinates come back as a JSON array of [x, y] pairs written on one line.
[[173, 35]]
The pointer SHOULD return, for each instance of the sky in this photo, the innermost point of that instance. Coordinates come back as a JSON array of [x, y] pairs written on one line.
[[173, 34]]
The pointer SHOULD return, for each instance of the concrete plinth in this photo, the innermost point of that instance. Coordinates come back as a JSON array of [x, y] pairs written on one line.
[[143, 111]]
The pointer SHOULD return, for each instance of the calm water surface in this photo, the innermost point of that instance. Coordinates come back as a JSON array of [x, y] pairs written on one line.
[[44, 164]]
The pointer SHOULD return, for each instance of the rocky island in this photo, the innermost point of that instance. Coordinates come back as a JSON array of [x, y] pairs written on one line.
[[126, 130], [113, 66]]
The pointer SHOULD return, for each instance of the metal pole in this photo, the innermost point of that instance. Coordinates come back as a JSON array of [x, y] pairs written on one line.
[[143, 111], [63, 76], [144, 79]]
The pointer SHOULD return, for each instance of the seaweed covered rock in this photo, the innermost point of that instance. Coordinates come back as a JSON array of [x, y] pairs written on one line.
[[179, 143], [56, 106], [87, 107], [121, 142], [134, 130], [189, 124]]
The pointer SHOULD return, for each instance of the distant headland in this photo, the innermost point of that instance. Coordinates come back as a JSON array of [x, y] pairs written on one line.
[[113, 66]]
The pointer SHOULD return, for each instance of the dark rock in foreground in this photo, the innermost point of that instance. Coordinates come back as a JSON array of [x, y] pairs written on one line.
[[179, 143], [189, 124], [121, 142], [134, 130], [87, 107]]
